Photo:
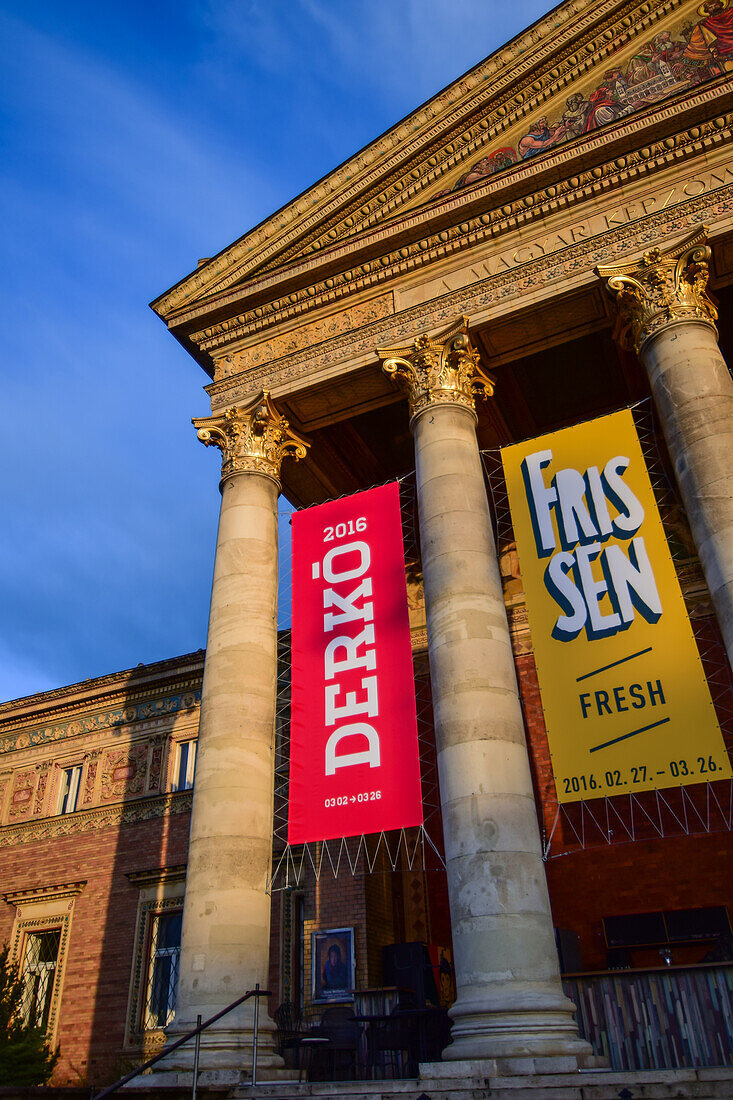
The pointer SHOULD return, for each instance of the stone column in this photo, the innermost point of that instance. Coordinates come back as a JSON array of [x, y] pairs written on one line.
[[225, 941], [670, 321], [510, 1004]]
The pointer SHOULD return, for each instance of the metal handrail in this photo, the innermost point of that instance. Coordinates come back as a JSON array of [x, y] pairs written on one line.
[[196, 1031]]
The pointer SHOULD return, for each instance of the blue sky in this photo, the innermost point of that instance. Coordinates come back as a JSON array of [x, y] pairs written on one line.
[[138, 137]]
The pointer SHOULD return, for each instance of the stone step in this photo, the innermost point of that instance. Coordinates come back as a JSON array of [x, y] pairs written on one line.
[[683, 1084], [86, 1092]]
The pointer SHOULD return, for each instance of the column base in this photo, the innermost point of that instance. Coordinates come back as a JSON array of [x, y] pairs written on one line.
[[226, 1053], [516, 1027], [210, 1078], [485, 1068]]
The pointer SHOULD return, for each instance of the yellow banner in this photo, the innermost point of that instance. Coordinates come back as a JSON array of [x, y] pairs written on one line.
[[626, 702]]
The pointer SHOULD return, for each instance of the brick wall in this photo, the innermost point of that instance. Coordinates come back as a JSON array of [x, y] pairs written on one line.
[[100, 954], [624, 877]]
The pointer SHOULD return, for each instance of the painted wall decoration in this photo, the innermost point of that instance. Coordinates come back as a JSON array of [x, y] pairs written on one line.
[[697, 51], [626, 702]]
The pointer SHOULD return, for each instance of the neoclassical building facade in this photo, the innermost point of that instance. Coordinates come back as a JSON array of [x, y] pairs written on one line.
[[547, 240]]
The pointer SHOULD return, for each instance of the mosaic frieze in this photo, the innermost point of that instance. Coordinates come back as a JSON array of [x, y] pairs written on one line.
[[136, 712], [693, 53]]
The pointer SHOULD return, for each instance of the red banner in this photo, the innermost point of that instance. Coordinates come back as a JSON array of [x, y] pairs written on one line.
[[354, 762]]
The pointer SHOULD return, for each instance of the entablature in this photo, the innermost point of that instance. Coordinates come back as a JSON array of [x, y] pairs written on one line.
[[490, 214], [280, 262], [501, 248]]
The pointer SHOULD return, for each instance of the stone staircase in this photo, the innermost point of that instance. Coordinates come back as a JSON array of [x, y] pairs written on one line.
[[439, 1082], [700, 1084]]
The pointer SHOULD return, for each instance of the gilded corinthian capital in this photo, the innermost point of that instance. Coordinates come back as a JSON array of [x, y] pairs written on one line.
[[664, 287], [252, 437], [438, 370]]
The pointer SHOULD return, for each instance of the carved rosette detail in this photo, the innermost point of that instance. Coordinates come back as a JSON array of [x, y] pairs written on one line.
[[664, 287], [438, 370], [253, 437]]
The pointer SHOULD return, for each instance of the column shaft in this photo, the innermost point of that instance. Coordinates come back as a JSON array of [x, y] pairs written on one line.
[[225, 941], [510, 1000], [670, 321], [226, 926], [510, 1004], [693, 393]]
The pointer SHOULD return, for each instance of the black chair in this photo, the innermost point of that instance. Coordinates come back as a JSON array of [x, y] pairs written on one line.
[[313, 1046], [287, 1034], [390, 1047], [338, 1025]]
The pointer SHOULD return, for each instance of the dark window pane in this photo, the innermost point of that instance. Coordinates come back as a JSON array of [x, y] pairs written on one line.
[[39, 971], [635, 930]]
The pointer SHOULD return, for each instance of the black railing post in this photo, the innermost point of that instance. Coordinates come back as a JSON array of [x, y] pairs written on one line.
[[254, 1034], [196, 1050], [196, 1031]]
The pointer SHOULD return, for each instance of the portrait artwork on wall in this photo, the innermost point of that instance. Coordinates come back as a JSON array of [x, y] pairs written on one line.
[[333, 964]]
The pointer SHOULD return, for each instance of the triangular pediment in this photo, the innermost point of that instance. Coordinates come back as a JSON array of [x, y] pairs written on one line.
[[584, 66]]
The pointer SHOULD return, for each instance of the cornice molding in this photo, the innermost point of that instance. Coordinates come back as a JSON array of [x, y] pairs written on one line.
[[45, 893], [515, 94], [560, 187], [131, 683], [103, 817], [157, 875], [30, 734], [433, 141]]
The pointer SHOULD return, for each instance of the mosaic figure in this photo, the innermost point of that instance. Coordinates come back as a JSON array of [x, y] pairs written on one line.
[[701, 51], [713, 35]]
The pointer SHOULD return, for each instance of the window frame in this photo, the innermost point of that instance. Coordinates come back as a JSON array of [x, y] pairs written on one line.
[[161, 890], [184, 758], [153, 954], [75, 771], [45, 909]]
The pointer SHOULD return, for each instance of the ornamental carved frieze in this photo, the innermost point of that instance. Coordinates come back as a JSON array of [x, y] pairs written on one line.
[[123, 772], [253, 437], [664, 287], [43, 772], [144, 711], [438, 370], [24, 787], [105, 817]]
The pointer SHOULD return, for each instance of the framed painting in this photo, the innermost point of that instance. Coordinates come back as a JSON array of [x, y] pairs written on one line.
[[334, 964]]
